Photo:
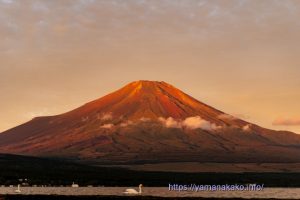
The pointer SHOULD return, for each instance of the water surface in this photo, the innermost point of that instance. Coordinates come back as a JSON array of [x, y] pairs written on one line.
[[278, 193]]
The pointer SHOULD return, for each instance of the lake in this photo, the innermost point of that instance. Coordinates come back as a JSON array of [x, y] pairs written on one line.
[[278, 193]]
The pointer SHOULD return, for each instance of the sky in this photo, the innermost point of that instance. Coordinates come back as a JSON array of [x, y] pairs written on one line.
[[239, 56]]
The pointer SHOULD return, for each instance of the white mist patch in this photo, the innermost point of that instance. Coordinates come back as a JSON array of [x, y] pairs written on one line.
[[195, 122], [127, 123], [106, 116], [145, 119], [247, 128], [84, 119], [107, 126], [170, 122]]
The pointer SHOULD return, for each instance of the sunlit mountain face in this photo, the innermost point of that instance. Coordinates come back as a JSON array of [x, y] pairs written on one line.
[[149, 121]]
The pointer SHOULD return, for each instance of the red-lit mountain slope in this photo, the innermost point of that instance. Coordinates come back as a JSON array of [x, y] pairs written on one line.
[[149, 121]]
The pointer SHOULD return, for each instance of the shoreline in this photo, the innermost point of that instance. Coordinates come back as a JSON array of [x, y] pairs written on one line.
[[97, 197]]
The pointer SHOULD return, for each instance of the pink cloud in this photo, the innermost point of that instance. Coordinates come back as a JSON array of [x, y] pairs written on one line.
[[286, 122]]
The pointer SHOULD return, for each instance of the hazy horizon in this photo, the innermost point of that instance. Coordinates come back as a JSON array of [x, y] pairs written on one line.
[[239, 56]]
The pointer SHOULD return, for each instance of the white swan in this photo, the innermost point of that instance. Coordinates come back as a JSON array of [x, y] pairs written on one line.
[[74, 185], [133, 191], [18, 190]]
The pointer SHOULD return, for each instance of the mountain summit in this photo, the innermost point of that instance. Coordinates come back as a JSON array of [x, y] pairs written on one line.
[[149, 121], [150, 100]]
